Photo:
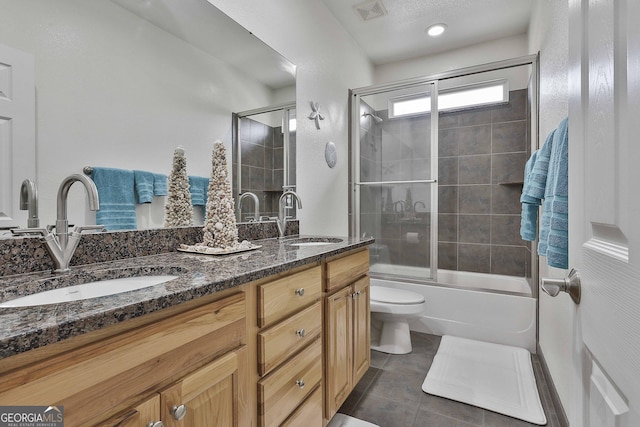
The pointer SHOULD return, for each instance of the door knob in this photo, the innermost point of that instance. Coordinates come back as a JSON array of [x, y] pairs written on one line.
[[570, 285]]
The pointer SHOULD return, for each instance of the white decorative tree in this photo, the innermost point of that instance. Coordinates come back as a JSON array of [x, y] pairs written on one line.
[[220, 229], [178, 210]]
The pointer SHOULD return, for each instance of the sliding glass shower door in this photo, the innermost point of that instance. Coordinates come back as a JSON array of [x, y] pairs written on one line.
[[395, 195]]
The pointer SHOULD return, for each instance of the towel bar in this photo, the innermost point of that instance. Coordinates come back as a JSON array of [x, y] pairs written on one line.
[[88, 170]]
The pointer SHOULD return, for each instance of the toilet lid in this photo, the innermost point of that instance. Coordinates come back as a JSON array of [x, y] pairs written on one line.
[[395, 296]]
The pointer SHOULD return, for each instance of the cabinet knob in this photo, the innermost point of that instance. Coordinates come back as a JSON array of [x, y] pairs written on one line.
[[300, 333], [178, 412], [155, 424], [300, 383], [300, 292], [356, 294]]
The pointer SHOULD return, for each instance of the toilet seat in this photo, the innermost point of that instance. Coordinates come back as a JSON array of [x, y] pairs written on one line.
[[394, 296]]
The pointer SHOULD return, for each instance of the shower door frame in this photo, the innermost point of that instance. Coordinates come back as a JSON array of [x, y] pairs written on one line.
[[355, 183], [354, 144], [286, 109]]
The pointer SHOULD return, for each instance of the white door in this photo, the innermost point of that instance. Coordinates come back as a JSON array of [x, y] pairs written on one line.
[[604, 197], [17, 132]]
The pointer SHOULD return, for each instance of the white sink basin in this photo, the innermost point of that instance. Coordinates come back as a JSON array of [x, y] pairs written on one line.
[[303, 244], [87, 290]]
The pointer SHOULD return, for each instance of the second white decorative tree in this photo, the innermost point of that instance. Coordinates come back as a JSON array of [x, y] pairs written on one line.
[[220, 229]]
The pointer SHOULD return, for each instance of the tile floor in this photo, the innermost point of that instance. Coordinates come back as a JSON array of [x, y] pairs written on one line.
[[390, 394]]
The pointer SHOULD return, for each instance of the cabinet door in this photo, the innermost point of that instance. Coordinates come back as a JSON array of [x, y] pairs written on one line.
[[209, 397], [339, 342], [361, 329], [145, 414]]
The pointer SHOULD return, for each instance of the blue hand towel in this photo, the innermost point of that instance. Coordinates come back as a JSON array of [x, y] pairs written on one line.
[[117, 200], [143, 184], [535, 186], [160, 186], [198, 186], [540, 175], [529, 217], [558, 240]]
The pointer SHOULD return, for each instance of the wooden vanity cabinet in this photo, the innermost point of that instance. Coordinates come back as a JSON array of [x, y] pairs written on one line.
[[194, 357], [347, 327], [210, 396]]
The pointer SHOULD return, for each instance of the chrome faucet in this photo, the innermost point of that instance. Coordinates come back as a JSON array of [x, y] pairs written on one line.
[[256, 204], [281, 220], [63, 244], [29, 202]]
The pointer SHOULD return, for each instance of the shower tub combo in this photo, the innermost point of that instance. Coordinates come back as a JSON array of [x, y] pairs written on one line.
[[485, 307]]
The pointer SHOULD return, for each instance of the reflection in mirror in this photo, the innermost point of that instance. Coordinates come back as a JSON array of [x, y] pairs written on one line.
[[121, 83], [264, 160]]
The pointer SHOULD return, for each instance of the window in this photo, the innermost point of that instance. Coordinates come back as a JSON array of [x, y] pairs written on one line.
[[468, 96]]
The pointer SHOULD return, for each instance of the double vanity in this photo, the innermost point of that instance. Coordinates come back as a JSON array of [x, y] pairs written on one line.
[[274, 336]]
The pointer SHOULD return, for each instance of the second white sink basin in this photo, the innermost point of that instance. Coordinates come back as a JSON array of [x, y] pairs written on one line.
[[87, 290], [314, 241]]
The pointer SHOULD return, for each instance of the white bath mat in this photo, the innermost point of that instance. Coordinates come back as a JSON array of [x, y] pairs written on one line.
[[492, 376], [342, 420]]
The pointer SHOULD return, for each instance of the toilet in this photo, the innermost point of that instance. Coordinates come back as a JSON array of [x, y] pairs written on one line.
[[391, 310]]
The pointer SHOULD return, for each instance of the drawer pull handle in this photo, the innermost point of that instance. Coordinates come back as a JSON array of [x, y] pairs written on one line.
[[155, 424], [300, 333], [178, 412], [300, 292], [300, 383]]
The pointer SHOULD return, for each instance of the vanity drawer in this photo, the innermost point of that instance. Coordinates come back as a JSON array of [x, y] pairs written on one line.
[[346, 270], [283, 339], [281, 392], [281, 297], [309, 414]]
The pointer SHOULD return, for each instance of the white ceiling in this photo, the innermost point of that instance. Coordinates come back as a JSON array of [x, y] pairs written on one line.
[[401, 33]]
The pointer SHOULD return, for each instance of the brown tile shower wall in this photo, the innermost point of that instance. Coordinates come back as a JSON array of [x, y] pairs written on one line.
[[262, 165], [482, 153]]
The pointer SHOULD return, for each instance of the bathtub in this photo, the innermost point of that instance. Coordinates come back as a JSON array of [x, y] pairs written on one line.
[[493, 308]]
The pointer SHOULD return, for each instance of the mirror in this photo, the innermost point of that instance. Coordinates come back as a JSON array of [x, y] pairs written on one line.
[[264, 161], [121, 83]]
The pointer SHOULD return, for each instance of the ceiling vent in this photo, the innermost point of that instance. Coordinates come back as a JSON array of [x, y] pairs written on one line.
[[370, 9]]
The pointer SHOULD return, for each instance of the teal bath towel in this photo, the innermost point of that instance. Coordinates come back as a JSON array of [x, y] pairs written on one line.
[[160, 185], [558, 240], [143, 184], [117, 199], [530, 204], [199, 187], [554, 224]]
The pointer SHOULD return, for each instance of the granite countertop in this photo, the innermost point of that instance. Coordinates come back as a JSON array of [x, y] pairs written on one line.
[[26, 328]]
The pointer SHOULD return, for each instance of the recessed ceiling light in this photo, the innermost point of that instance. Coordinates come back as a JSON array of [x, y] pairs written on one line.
[[436, 29]]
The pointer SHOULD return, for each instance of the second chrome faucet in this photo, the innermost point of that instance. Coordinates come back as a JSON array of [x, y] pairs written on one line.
[[281, 221]]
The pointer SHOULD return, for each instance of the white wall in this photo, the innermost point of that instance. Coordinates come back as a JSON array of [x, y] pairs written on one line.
[[497, 50], [328, 64], [548, 34], [115, 91]]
